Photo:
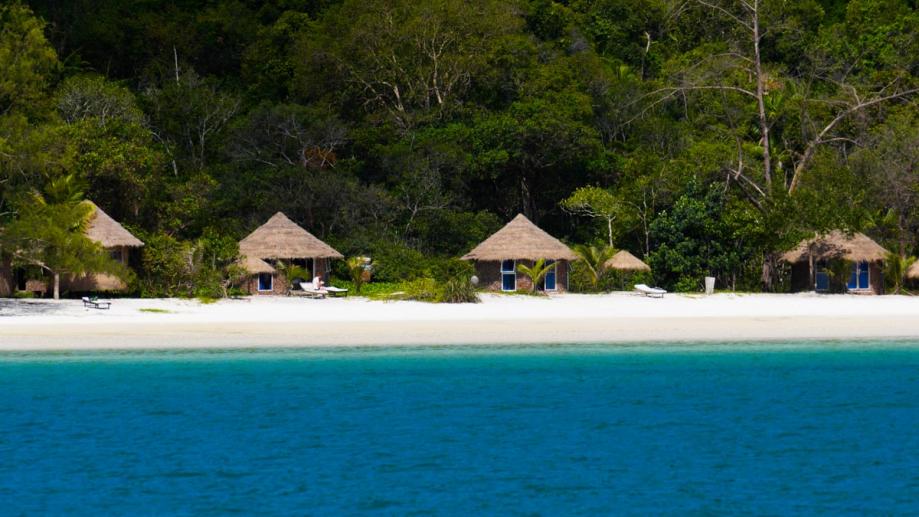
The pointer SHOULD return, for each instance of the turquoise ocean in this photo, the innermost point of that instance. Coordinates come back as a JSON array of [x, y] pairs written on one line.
[[815, 428]]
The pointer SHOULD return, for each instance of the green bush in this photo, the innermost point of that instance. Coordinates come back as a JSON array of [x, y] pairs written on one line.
[[356, 272], [625, 280], [459, 290], [446, 269], [394, 262], [422, 290], [23, 294], [165, 266], [580, 279], [202, 269], [371, 290]]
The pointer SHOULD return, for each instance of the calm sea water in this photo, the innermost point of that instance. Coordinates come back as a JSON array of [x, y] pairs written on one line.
[[496, 431]]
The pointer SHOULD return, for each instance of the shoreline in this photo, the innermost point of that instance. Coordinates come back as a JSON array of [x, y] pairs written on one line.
[[618, 318]]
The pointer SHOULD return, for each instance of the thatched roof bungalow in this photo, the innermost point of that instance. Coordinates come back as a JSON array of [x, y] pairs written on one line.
[[281, 242], [814, 260], [109, 232], [255, 266], [117, 241], [120, 244], [625, 261], [520, 241]]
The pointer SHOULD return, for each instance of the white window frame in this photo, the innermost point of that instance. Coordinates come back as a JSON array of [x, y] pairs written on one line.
[[258, 283], [513, 271], [857, 266]]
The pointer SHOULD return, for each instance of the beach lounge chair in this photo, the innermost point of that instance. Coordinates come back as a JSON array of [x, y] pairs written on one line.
[[309, 290], [336, 291], [652, 292], [94, 303]]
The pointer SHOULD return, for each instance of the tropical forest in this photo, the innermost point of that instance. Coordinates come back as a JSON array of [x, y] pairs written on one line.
[[706, 137]]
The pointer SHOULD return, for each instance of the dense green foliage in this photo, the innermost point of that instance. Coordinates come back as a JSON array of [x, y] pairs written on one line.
[[705, 137]]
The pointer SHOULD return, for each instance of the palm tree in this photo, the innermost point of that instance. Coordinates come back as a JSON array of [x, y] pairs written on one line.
[[595, 258], [896, 269], [535, 273], [50, 233], [356, 271]]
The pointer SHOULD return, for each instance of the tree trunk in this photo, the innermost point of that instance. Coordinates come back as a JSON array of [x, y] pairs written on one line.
[[760, 99], [57, 286], [769, 272], [609, 229]]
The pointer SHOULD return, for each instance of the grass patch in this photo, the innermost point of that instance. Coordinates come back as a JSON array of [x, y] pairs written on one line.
[[372, 290], [154, 311]]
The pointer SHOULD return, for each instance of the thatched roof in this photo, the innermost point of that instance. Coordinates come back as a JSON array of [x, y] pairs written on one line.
[[281, 238], [913, 271], [108, 232], [255, 266], [520, 239], [856, 247], [625, 261]]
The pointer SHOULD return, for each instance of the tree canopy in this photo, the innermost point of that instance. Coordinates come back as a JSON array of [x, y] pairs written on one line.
[[707, 136]]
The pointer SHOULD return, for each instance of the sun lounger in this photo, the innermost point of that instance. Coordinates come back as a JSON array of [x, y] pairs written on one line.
[[336, 291], [94, 303], [653, 292], [307, 290]]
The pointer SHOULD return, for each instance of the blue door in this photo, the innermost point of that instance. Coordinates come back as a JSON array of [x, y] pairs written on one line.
[[859, 277], [863, 276], [549, 280], [264, 281], [823, 280], [508, 275]]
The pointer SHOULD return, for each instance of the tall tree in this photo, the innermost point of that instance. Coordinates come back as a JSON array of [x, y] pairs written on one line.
[[50, 233], [27, 61], [818, 105]]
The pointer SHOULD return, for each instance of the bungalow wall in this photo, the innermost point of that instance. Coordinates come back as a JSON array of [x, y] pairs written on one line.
[[801, 280], [103, 282], [279, 282], [489, 273], [88, 283], [877, 278]]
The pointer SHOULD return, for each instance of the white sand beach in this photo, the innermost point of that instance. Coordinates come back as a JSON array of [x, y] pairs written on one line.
[[499, 319]]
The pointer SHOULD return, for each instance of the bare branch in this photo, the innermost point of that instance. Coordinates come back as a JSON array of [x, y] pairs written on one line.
[[811, 147]]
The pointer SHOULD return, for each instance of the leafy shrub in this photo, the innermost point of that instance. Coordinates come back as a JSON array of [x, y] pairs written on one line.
[[459, 290], [356, 272], [394, 262], [626, 280], [700, 235], [422, 290], [23, 294], [294, 273], [203, 269], [165, 266], [371, 290], [446, 269], [580, 279]]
